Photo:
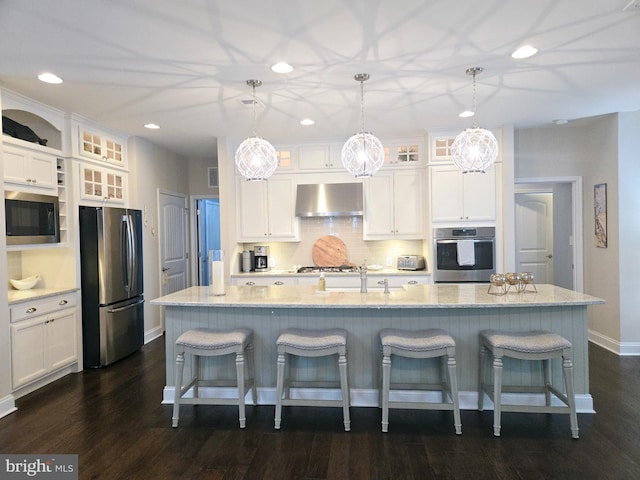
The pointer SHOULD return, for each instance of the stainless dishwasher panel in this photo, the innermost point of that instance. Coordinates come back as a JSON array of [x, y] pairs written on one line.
[[121, 329]]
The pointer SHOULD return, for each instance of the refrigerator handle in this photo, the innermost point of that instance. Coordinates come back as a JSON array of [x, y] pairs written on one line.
[[131, 255], [121, 309]]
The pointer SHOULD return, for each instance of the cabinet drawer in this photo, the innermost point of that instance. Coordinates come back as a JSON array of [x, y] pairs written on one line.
[[36, 308]]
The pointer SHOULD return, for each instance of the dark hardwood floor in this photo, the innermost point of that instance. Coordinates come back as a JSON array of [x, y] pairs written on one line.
[[112, 418]]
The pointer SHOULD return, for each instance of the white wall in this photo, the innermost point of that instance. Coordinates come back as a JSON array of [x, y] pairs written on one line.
[[629, 228], [152, 168], [588, 149]]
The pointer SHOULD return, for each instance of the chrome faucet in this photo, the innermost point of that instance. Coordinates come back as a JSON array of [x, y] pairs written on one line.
[[363, 279], [386, 286]]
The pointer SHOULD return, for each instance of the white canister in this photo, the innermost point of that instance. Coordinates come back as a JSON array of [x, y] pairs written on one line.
[[246, 261], [217, 272]]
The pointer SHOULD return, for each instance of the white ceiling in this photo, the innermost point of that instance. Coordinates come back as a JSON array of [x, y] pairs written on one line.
[[184, 64]]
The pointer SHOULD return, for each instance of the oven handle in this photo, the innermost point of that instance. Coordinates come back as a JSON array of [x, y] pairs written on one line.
[[456, 240]]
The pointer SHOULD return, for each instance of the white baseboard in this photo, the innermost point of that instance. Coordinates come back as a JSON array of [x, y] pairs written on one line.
[[369, 397], [7, 405], [619, 348], [153, 334]]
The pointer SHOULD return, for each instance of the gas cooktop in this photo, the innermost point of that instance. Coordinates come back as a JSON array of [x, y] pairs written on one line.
[[340, 269]]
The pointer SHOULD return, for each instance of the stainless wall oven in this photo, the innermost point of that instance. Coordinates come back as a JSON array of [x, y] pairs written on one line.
[[464, 254]]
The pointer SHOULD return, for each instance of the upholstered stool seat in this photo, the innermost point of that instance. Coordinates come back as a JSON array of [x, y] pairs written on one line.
[[534, 345], [430, 343], [203, 342], [311, 343]]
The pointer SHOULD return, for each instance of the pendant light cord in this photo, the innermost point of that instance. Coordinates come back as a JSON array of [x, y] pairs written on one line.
[[255, 114], [475, 110], [362, 103]]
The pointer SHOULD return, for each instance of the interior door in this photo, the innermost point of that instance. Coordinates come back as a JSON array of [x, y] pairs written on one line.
[[173, 242], [534, 235]]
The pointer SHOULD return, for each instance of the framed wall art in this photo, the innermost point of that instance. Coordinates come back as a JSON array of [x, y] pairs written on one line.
[[600, 206]]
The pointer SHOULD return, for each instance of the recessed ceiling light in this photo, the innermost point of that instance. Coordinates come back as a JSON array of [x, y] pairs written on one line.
[[282, 67], [48, 77], [525, 51], [306, 122], [152, 126], [466, 113], [561, 121]]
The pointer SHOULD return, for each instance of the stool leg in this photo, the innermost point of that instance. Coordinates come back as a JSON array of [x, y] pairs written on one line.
[[252, 374], [497, 392], [481, 375], [453, 386], [197, 375], [279, 386], [344, 385], [177, 388], [386, 382], [567, 368], [546, 368], [241, 393]]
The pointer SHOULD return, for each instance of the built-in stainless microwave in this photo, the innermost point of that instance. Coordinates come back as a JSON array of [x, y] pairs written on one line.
[[31, 218]]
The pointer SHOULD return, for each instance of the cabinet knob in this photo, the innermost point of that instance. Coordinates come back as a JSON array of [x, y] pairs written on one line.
[[412, 282], [380, 282], [279, 282], [63, 302], [250, 283], [31, 310]]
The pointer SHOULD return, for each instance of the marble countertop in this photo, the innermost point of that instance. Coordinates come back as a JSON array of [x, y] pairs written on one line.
[[18, 296], [468, 295]]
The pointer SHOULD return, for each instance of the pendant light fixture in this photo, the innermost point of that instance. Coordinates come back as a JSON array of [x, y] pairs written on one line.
[[256, 158], [474, 149], [363, 153]]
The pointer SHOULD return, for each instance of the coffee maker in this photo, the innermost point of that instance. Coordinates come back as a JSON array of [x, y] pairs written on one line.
[[261, 258]]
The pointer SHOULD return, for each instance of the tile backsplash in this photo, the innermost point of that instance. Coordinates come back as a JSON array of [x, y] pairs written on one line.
[[14, 266], [283, 255]]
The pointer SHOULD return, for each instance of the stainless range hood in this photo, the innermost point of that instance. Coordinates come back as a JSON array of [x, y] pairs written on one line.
[[329, 200]]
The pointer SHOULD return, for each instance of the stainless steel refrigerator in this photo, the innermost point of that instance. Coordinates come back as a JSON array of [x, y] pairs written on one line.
[[111, 281]]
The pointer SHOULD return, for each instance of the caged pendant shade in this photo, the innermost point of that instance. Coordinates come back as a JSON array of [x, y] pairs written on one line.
[[256, 158], [363, 153], [474, 149]]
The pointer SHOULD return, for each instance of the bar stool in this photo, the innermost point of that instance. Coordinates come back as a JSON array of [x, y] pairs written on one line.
[[430, 343], [203, 342], [534, 345], [311, 343]]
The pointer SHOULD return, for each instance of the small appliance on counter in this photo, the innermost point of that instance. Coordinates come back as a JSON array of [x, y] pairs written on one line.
[[248, 261], [261, 258], [411, 262]]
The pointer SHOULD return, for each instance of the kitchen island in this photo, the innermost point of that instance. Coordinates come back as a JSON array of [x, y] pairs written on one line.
[[461, 309]]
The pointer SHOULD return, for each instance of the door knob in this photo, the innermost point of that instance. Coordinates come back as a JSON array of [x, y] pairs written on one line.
[[549, 256], [164, 269]]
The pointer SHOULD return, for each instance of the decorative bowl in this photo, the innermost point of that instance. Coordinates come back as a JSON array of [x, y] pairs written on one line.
[[25, 283], [512, 278], [526, 277]]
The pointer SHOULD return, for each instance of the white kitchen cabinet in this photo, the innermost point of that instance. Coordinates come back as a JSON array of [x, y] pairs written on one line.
[[102, 185], [43, 338], [457, 196], [267, 210], [262, 280], [30, 170], [97, 145], [440, 147], [375, 282], [406, 153], [315, 157], [394, 205]]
